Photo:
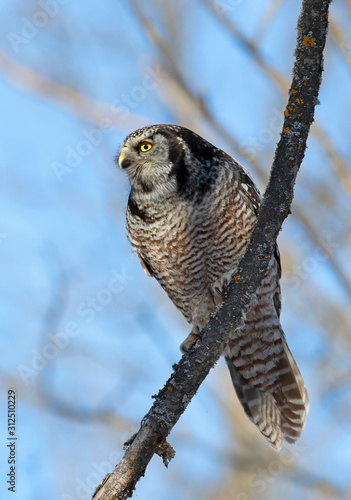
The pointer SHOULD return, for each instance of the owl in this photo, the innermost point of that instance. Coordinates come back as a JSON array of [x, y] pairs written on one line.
[[190, 214]]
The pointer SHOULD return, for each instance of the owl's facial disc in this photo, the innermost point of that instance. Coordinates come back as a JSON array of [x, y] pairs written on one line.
[[145, 157], [135, 155]]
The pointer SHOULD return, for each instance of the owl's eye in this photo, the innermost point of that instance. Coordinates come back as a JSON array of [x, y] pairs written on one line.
[[145, 146]]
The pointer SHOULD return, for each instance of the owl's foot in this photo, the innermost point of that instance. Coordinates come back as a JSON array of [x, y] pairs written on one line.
[[221, 291], [190, 341]]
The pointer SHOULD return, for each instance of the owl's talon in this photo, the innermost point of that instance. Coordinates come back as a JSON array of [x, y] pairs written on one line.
[[189, 343], [184, 349], [219, 291], [222, 291]]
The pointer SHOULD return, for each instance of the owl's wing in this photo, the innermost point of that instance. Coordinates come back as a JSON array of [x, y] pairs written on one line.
[[247, 189], [251, 195], [146, 266]]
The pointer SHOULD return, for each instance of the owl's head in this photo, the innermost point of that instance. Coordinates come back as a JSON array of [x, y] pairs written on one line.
[[162, 160]]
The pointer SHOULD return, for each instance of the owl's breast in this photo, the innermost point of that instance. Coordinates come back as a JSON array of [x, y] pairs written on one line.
[[190, 246]]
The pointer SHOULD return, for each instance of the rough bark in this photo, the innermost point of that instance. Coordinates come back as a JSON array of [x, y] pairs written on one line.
[[178, 391]]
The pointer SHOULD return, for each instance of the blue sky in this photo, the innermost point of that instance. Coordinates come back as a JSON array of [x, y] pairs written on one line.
[[64, 251]]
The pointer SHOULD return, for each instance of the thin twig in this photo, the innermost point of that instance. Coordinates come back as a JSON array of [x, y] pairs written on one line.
[[102, 114]]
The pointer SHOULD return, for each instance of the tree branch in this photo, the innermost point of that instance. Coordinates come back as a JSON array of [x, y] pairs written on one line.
[[86, 107], [172, 400]]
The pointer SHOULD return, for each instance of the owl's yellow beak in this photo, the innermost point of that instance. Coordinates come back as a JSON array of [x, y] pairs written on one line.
[[120, 159]]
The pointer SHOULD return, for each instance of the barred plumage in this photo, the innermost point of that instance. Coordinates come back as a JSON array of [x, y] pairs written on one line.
[[190, 213]]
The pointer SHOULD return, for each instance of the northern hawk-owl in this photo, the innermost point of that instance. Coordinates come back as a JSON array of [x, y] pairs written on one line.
[[191, 211]]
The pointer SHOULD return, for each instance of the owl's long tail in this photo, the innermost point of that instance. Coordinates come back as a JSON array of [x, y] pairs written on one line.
[[264, 373], [272, 393]]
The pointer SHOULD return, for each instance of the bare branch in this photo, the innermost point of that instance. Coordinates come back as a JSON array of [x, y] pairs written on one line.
[[339, 38], [90, 109], [280, 81], [172, 400]]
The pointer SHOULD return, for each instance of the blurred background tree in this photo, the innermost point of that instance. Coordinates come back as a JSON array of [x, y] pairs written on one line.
[[87, 338]]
